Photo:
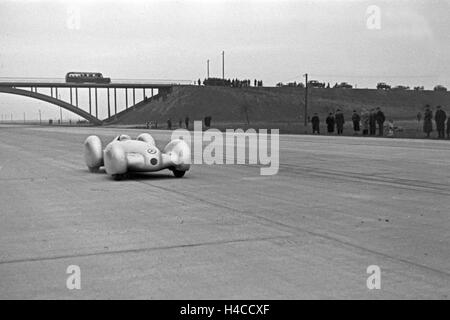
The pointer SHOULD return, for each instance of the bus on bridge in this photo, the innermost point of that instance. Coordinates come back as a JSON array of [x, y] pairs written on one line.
[[86, 77]]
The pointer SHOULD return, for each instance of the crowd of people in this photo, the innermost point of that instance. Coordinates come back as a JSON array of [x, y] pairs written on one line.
[[233, 83], [367, 120], [440, 118]]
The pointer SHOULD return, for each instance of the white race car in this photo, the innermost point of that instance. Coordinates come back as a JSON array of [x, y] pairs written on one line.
[[124, 155]]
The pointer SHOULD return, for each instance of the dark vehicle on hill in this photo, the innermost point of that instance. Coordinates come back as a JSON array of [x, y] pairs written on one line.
[[290, 84], [344, 85], [316, 84], [400, 87], [86, 77], [383, 86], [440, 88]]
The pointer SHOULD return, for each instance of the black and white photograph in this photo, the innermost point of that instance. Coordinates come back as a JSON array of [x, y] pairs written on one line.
[[225, 154]]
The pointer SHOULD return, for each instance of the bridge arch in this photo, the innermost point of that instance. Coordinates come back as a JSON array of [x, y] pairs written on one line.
[[49, 99]]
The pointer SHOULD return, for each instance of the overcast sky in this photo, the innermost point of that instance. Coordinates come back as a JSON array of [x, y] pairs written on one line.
[[269, 40]]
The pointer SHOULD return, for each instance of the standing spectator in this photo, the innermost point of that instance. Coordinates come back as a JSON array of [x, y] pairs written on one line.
[[428, 121], [169, 124], [186, 122], [391, 129], [372, 123], [365, 122], [339, 118], [315, 124], [419, 118], [380, 118], [330, 123], [448, 128], [440, 118], [356, 118], [180, 123], [207, 121]]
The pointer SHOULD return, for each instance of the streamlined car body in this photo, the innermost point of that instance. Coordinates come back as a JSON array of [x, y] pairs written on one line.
[[123, 155]]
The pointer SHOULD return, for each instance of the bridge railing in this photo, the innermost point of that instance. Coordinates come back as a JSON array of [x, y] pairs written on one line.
[[56, 81]]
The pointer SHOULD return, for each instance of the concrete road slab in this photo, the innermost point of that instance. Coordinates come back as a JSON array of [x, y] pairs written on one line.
[[337, 206]]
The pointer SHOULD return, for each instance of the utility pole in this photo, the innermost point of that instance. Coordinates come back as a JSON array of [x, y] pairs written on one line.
[[60, 115], [223, 65], [207, 69], [306, 101]]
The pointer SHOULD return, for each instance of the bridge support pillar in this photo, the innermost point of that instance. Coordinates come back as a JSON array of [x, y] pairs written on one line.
[[134, 96], [126, 98], [71, 95], [96, 104], [115, 101], [90, 103], [76, 97], [109, 104]]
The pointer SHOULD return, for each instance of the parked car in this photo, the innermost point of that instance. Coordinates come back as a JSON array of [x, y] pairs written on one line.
[[344, 85], [316, 84], [440, 88], [383, 86], [400, 87]]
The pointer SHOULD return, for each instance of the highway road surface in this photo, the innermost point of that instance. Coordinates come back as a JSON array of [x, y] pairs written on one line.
[[337, 206]]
